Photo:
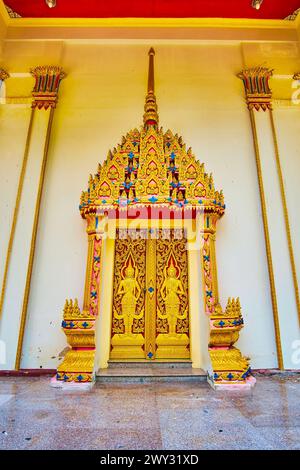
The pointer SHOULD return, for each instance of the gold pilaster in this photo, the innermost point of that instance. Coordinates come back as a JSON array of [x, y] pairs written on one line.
[[150, 306], [91, 232], [259, 96], [32, 246], [45, 93], [209, 264], [212, 243], [89, 264]]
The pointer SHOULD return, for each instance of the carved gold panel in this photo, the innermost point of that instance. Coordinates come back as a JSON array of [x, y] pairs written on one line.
[[172, 312], [128, 320], [150, 318]]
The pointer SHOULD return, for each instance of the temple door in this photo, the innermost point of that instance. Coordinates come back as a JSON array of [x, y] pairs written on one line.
[[150, 315]]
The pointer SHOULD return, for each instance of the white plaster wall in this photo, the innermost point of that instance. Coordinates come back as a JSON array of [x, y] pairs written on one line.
[[16, 279], [287, 312], [13, 124], [287, 122], [13, 130], [101, 99], [213, 119]]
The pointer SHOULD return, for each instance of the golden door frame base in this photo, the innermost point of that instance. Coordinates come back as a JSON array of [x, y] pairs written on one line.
[[151, 178]]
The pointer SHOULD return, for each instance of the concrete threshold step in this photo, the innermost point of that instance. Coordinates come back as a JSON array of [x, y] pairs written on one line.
[[149, 374], [143, 364]]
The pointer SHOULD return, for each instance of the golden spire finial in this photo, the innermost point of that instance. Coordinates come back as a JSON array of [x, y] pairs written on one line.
[[151, 54], [151, 116]]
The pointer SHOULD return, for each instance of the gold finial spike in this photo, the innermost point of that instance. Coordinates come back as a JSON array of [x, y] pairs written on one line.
[[151, 54], [151, 116]]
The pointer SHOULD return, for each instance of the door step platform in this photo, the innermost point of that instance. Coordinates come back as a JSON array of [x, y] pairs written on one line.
[[145, 372], [157, 364]]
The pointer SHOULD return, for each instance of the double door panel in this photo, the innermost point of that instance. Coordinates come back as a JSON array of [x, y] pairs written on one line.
[[150, 314]]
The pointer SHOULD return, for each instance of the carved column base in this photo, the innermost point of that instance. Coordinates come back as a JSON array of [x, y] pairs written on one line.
[[77, 367], [81, 386], [230, 368]]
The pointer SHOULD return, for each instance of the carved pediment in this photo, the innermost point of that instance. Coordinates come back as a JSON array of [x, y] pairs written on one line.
[[151, 167]]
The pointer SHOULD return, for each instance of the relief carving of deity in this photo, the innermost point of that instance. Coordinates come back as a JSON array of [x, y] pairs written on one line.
[[130, 291], [170, 291]]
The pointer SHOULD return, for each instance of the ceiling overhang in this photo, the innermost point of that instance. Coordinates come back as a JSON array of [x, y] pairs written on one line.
[[181, 28], [242, 9]]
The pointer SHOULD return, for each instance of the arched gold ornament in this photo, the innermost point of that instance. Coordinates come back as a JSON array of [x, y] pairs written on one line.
[[153, 173]]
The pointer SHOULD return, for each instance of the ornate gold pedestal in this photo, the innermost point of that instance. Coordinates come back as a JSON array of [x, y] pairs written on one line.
[[78, 365], [228, 364], [79, 328]]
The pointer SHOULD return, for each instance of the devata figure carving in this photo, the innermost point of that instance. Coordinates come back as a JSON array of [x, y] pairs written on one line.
[[170, 291], [130, 291]]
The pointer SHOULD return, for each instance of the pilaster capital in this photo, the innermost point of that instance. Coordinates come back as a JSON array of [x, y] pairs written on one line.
[[296, 76], [47, 81], [257, 89], [3, 75]]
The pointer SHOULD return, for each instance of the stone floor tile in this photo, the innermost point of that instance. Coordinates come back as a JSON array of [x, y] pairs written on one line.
[[175, 415]]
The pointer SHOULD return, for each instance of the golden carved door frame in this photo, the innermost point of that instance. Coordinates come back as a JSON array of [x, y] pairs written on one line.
[[153, 177], [150, 311], [150, 314]]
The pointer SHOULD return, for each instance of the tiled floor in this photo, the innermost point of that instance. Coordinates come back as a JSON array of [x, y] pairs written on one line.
[[149, 416]]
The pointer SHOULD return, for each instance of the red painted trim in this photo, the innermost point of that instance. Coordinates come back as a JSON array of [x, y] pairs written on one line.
[[270, 9], [27, 372]]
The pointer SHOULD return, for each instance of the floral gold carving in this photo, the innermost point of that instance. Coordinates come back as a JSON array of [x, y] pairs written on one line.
[[47, 82], [11, 12], [3, 75], [293, 16], [257, 88]]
